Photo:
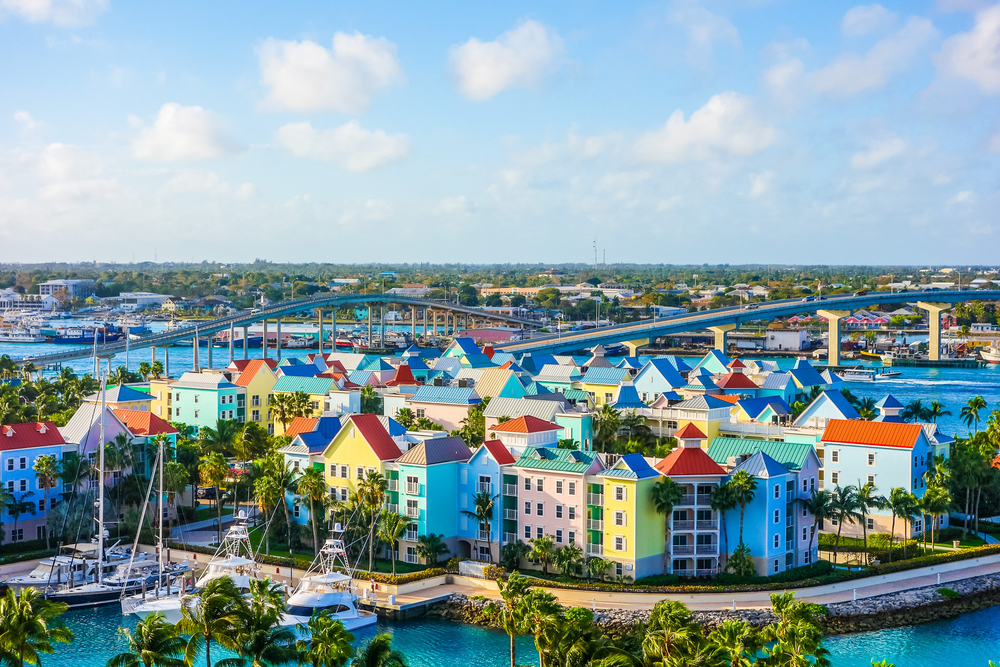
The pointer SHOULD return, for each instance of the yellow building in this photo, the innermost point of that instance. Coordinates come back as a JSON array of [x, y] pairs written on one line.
[[318, 390], [362, 444], [633, 531], [162, 403], [123, 397], [602, 383], [707, 413], [259, 379]]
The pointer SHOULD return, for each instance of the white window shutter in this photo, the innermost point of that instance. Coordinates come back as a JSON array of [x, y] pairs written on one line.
[[624, 518]]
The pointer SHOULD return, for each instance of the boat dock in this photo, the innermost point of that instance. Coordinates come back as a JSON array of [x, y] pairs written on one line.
[[963, 362]]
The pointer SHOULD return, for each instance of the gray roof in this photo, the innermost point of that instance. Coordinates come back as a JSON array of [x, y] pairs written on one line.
[[81, 423], [436, 450], [553, 373], [521, 407]]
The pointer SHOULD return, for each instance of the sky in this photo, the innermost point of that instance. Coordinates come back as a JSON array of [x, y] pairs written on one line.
[[728, 131]]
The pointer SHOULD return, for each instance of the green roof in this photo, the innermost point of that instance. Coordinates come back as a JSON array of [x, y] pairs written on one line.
[[792, 455], [308, 385], [559, 460], [576, 395]]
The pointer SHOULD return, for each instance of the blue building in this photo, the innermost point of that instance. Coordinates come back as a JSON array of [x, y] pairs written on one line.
[[20, 447], [488, 470], [658, 376]]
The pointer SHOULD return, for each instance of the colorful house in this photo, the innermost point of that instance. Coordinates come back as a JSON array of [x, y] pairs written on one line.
[[714, 362], [488, 470], [202, 399], [658, 376], [123, 397], [628, 524], [780, 385], [526, 431], [258, 380], [499, 383], [316, 388], [363, 443], [602, 383], [558, 378], [20, 446], [446, 406]]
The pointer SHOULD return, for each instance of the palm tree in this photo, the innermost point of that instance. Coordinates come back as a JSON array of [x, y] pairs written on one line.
[[329, 644], [260, 637], [371, 495], [29, 626], [567, 558], [19, 505], [215, 614], [738, 640], [312, 486], [483, 515], [937, 410], [391, 528], [215, 471], [970, 411], [156, 368], [744, 489], [431, 547], [154, 643], [176, 479], [902, 504], [935, 502], [722, 500], [915, 411], [405, 418], [665, 494], [510, 611], [867, 500], [379, 653], [220, 438], [47, 471], [286, 406], [846, 509], [541, 550], [607, 423], [371, 402], [820, 506], [279, 479], [144, 370]]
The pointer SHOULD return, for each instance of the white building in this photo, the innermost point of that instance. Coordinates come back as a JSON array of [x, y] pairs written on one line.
[[786, 339], [72, 288], [10, 299], [133, 301]]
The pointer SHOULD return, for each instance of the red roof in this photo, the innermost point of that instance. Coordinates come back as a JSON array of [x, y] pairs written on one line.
[[736, 363], [877, 434], [335, 365], [526, 424], [736, 381], [238, 364], [142, 422], [690, 432], [499, 452], [488, 351], [403, 376], [689, 461], [30, 434], [301, 425], [250, 371], [371, 429]]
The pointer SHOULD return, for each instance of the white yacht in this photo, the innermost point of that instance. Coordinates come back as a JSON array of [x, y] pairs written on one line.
[[327, 586], [990, 355], [73, 563]]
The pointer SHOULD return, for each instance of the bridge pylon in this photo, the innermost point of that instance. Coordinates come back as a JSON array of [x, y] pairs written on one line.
[[934, 326], [833, 317], [720, 332]]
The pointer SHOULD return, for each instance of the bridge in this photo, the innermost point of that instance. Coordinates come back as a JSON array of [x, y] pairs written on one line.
[[723, 320], [287, 308]]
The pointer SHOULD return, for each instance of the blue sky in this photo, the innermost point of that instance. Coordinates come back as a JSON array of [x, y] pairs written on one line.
[[684, 131]]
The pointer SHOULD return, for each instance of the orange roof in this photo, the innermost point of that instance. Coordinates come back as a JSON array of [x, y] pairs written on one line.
[[689, 461], [690, 432], [876, 434], [250, 371], [736, 381], [728, 399], [141, 422], [301, 425], [526, 424]]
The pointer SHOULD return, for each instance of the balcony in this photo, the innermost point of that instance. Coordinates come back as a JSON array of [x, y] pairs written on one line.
[[704, 498], [595, 499], [684, 573], [485, 487], [595, 549], [510, 514], [789, 521], [789, 545], [682, 525], [708, 525], [595, 524], [392, 509], [510, 489], [708, 548], [413, 512], [509, 538], [413, 489], [679, 549], [392, 484], [484, 536], [411, 536], [410, 558], [686, 499]]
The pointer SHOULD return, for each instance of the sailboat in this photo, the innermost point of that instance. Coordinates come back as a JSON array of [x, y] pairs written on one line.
[[327, 586]]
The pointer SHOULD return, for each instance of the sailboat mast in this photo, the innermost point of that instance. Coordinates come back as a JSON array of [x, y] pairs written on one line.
[[100, 487], [159, 505]]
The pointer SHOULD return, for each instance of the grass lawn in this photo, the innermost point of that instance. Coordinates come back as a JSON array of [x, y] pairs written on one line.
[[208, 512], [968, 542]]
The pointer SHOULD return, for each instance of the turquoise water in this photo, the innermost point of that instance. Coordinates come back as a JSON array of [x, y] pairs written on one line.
[[968, 641]]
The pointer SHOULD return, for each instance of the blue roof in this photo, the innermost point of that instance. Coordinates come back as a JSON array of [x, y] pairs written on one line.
[[360, 377], [123, 394], [306, 371], [805, 374], [513, 368], [379, 364], [534, 389], [291, 361], [328, 426], [671, 395], [762, 465], [466, 345], [314, 440], [637, 468], [701, 371], [452, 395], [417, 364], [477, 360], [700, 383], [891, 419], [668, 371], [715, 361], [534, 364], [612, 376], [679, 364], [754, 406], [629, 362], [501, 358], [627, 398], [839, 400], [889, 402]]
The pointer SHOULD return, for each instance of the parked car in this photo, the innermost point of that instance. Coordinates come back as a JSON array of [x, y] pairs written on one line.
[[207, 493], [808, 298], [861, 292]]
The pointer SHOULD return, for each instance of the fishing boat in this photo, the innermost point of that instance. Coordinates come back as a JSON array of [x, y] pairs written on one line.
[[326, 586], [21, 335], [991, 355], [85, 336], [73, 564]]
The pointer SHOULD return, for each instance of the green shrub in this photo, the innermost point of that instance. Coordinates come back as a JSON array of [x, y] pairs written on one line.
[[494, 572], [452, 564], [948, 593]]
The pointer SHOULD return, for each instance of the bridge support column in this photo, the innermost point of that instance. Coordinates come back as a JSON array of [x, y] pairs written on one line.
[[381, 323], [166, 361], [425, 326], [195, 366], [933, 326], [263, 341], [319, 337], [370, 342], [634, 345], [232, 342], [413, 324], [720, 335], [153, 351], [277, 342], [210, 341], [246, 342], [333, 331], [833, 317]]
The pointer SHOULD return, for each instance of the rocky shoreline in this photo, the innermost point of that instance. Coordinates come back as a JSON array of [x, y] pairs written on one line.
[[920, 605]]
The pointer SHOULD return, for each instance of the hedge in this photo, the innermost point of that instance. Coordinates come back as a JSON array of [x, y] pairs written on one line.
[[27, 555]]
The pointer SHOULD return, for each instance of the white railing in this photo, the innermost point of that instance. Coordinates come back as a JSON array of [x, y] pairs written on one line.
[[595, 499], [510, 514], [595, 549], [510, 489], [704, 498], [392, 509], [686, 499], [706, 573], [682, 525], [509, 538], [752, 428], [413, 512], [413, 489], [682, 549], [485, 487], [708, 525], [708, 548], [392, 484], [484, 535], [595, 524], [411, 536]]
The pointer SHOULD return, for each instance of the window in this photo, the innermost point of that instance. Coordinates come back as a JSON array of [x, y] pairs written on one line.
[[559, 511], [619, 543], [608, 397], [572, 537], [421, 413], [41, 505], [539, 532], [10, 486], [343, 495], [777, 516], [527, 507], [196, 398], [333, 470], [295, 510], [540, 509], [805, 511], [538, 484], [40, 532], [527, 532], [24, 462], [805, 534], [295, 465], [812, 483], [177, 412], [255, 415], [775, 564], [345, 472], [777, 491], [805, 485], [807, 558], [871, 458], [572, 513], [619, 518], [619, 570], [195, 414], [10, 464], [527, 484], [559, 536], [559, 486], [777, 540], [412, 509], [871, 479], [360, 473], [620, 493], [24, 484], [914, 460], [255, 401], [835, 478], [17, 535], [871, 524], [921, 459], [572, 488], [834, 456], [177, 396]]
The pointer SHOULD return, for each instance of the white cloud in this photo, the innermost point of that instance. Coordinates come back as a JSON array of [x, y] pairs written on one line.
[[784, 78], [376, 209], [450, 205], [182, 134], [726, 126], [305, 76], [878, 152], [975, 55], [865, 19], [351, 146], [59, 12], [25, 119], [964, 197], [63, 162], [704, 30], [206, 183], [851, 73], [760, 184], [519, 58]]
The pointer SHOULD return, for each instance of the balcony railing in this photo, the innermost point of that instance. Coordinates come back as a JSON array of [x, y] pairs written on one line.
[[392, 484], [708, 525], [704, 498], [510, 514], [484, 536], [682, 549], [684, 573], [411, 536], [595, 549], [595, 524], [706, 573], [708, 548], [485, 487], [410, 558], [682, 525], [508, 538], [686, 499], [510, 489], [595, 499], [789, 545], [413, 489], [413, 512], [392, 509]]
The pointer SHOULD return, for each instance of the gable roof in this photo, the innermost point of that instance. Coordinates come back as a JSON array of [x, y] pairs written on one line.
[[465, 344], [477, 360], [607, 376], [701, 383], [250, 371], [874, 434], [736, 381], [754, 406], [838, 400], [143, 422], [791, 455], [301, 425], [631, 466], [690, 431], [449, 395], [30, 434], [889, 402], [762, 465], [526, 424], [702, 403], [556, 373], [499, 452], [714, 361], [434, 451], [630, 362], [519, 407], [667, 371], [679, 364], [377, 364], [120, 394], [556, 460], [298, 371], [403, 376], [203, 381], [534, 389], [77, 430], [375, 434], [310, 385], [493, 381], [689, 461], [776, 381], [805, 374]]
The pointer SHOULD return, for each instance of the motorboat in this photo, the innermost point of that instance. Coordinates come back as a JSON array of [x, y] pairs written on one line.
[[991, 355], [21, 335], [327, 586], [127, 579], [73, 563]]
